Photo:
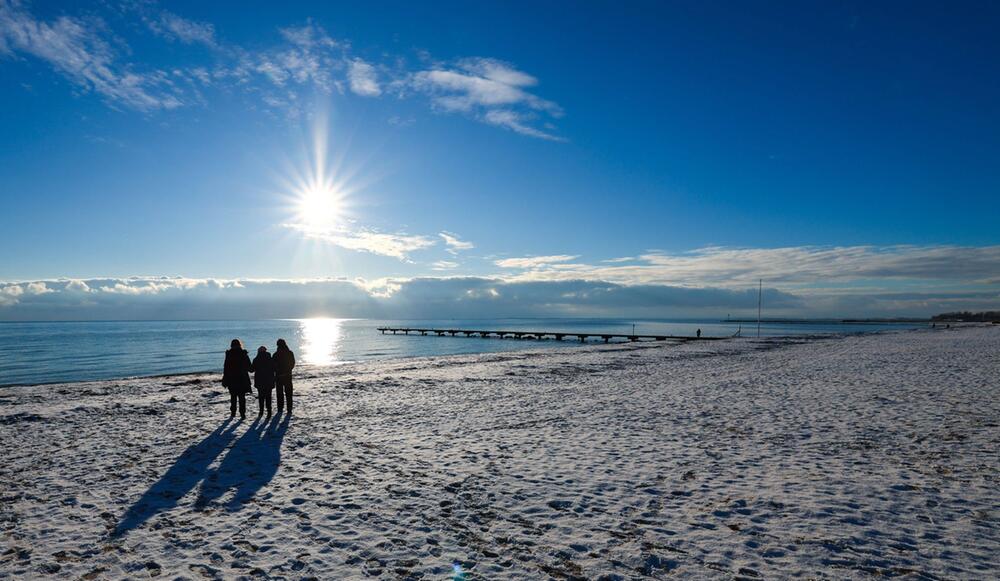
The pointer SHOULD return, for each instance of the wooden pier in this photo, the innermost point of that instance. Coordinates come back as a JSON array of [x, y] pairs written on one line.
[[538, 335]]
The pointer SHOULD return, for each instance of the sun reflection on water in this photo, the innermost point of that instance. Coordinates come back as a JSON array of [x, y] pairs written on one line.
[[321, 340]]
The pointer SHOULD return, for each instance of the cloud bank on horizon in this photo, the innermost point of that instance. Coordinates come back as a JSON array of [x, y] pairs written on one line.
[[87, 52], [805, 281]]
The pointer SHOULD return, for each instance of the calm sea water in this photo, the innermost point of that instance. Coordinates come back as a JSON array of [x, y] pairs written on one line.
[[58, 352]]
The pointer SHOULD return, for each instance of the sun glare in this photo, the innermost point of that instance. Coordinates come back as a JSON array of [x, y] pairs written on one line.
[[319, 206], [316, 189], [321, 340]]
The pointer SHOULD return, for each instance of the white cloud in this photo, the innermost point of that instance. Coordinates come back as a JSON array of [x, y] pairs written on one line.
[[76, 50], [444, 265], [9, 294], [310, 35], [363, 79], [201, 74], [173, 27], [75, 285], [301, 66], [490, 90], [534, 261], [483, 83], [36, 288], [453, 244], [367, 240], [308, 60]]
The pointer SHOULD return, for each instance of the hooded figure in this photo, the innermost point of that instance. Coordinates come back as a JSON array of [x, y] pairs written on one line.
[[284, 362], [236, 377], [263, 379]]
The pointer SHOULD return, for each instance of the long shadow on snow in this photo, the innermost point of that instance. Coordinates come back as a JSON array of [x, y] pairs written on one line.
[[189, 469], [249, 465]]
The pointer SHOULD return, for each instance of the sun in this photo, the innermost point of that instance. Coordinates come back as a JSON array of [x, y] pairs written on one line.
[[316, 191], [319, 206]]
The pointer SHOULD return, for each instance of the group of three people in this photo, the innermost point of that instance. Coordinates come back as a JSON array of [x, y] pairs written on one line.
[[269, 372]]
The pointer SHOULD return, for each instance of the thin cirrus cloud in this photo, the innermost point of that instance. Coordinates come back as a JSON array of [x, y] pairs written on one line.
[[791, 266], [308, 59], [453, 244], [395, 245], [444, 265], [491, 91], [173, 27], [305, 60], [535, 262], [77, 49]]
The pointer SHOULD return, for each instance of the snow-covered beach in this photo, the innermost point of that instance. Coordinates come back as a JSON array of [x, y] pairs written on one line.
[[841, 457]]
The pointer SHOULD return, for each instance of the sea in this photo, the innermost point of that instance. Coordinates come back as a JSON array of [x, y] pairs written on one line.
[[56, 352]]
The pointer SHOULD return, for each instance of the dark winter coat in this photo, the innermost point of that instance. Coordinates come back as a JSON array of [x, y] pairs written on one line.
[[236, 372], [263, 371], [284, 361]]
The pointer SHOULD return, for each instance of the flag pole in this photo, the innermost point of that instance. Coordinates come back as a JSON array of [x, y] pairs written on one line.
[[760, 290]]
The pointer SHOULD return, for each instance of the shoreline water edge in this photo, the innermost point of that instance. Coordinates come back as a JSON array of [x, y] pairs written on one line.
[[51, 353]]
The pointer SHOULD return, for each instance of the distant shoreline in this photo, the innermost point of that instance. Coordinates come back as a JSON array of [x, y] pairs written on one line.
[[832, 321]]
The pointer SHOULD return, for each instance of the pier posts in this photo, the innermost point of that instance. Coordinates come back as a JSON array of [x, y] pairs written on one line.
[[538, 335]]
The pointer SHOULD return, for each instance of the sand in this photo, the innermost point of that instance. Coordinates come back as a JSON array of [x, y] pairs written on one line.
[[842, 457]]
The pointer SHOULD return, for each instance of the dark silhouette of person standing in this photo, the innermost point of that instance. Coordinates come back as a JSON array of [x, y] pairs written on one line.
[[263, 379], [236, 377], [284, 362]]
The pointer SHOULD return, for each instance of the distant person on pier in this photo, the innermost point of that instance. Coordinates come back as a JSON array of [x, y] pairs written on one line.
[[263, 379], [698, 334], [284, 362], [236, 377]]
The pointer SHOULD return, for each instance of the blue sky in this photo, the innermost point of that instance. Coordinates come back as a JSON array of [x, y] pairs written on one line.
[[844, 152]]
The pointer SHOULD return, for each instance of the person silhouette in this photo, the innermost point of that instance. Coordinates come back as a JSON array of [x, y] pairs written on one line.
[[263, 379], [284, 362], [699, 334], [236, 377]]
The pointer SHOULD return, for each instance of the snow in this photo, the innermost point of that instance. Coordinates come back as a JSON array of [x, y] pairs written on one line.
[[837, 457]]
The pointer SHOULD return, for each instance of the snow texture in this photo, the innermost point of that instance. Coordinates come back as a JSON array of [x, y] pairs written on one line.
[[836, 457]]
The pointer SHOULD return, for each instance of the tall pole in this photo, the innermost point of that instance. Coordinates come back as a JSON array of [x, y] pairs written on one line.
[[760, 290]]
